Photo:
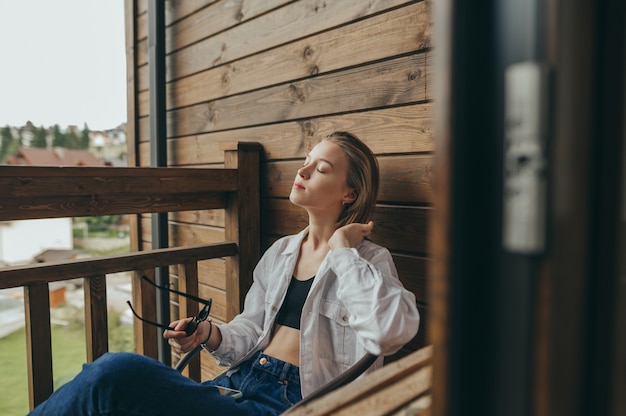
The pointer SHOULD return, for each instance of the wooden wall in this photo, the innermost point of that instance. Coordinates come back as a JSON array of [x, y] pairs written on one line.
[[283, 73]]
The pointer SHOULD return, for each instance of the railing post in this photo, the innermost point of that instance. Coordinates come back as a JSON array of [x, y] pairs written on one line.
[[144, 299], [188, 283], [96, 321], [38, 343], [242, 223]]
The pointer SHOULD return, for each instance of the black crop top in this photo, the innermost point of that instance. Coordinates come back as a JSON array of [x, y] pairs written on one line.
[[291, 309]]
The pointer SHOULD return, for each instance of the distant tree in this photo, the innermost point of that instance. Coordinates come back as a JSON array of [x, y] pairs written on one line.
[[39, 138], [6, 142], [20, 139], [72, 141], [58, 138], [84, 138]]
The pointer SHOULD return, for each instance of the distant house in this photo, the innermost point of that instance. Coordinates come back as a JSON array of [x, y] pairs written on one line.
[[54, 157], [22, 241]]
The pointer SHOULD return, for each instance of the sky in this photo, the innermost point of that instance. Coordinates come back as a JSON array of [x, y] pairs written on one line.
[[62, 62]]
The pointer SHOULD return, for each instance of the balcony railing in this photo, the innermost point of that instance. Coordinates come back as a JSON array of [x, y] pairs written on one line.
[[60, 192]]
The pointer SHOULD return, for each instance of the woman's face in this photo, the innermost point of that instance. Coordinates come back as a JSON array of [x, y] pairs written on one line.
[[320, 184]]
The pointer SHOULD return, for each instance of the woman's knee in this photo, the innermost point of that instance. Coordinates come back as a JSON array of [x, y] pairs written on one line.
[[112, 368]]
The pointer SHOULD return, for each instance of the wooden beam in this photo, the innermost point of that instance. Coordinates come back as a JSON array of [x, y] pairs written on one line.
[[59, 192], [385, 390], [38, 343], [96, 319], [75, 269], [242, 224], [188, 283], [144, 303]]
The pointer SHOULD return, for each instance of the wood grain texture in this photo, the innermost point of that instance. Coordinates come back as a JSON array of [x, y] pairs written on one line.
[[188, 283], [283, 74], [96, 318], [386, 390], [56, 192], [282, 25], [38, 342], [403, 179], [74, 269], [394, 82], [398, 32], [387, 131]]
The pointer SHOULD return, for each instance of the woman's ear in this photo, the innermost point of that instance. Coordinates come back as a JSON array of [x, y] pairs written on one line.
[[349, 197]]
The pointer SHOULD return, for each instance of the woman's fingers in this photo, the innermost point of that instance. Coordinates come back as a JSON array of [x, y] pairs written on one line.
[[350, 235]]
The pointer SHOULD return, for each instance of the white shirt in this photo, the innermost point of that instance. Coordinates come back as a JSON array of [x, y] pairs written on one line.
[[356, 305]]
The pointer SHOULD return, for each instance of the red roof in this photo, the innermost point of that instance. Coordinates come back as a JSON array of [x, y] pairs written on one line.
[[54, 157]]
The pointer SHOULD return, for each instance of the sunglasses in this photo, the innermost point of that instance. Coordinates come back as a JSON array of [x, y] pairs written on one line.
[[193, 324]]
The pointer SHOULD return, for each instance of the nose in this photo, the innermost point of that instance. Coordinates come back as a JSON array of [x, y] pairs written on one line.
[[303, 172]]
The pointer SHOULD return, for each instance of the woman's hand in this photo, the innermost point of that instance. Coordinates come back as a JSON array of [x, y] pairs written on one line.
[[350, 235], [179, 340]]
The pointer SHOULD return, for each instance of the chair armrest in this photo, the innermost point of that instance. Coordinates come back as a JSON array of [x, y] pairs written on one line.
[[346, 377], [182, 363]]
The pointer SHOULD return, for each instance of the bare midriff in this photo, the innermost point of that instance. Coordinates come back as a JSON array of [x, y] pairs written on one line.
[[285, 345]]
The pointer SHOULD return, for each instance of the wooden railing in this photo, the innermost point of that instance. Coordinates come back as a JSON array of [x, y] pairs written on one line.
[[58, 192], [403, 387]]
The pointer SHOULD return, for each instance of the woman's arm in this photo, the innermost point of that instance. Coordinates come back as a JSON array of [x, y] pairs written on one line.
[[232, 340], [382, 312]]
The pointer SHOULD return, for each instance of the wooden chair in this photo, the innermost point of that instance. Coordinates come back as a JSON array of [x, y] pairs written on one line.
[[346, 377]]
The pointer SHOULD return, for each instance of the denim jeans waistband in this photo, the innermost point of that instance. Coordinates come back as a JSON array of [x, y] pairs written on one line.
[[281, 369]]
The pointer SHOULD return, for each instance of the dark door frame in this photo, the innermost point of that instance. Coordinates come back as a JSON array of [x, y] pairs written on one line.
[[529, 334]]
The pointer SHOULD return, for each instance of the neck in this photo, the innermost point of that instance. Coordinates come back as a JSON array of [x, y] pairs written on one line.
[[320, 232]]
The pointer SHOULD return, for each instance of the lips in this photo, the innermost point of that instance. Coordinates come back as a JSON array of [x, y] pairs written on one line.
[[298, 185]]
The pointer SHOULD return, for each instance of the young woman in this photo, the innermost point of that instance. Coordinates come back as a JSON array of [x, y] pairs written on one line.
[[320, 300]]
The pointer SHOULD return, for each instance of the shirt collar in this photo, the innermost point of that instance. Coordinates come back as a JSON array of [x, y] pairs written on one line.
[[294, 244]]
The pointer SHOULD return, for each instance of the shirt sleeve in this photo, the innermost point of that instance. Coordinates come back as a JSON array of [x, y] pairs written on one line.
[[241, 335], [382, 312]]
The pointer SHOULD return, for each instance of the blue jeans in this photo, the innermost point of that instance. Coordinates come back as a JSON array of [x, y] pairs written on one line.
[[132, 384]]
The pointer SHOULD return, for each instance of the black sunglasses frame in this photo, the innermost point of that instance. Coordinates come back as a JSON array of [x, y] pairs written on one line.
[[193, 324]]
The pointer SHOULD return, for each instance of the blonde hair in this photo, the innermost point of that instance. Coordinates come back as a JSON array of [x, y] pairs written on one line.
[[362, 177]]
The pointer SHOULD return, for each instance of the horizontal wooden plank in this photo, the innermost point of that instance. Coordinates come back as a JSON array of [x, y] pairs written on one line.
[[218, 297], [403, 179], [397, 228], [112, 204], [388, 398], [213, 217], [195, 22], [413, 273], [181, 234], [403, 229], [175, 10], [20, 181], [73, 269], [406, 179], [189, 22], [282, 25], [190, 234], [389, 83], [211, 273], [406, 129], [181, 10], [385, 389], [394, 33]]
